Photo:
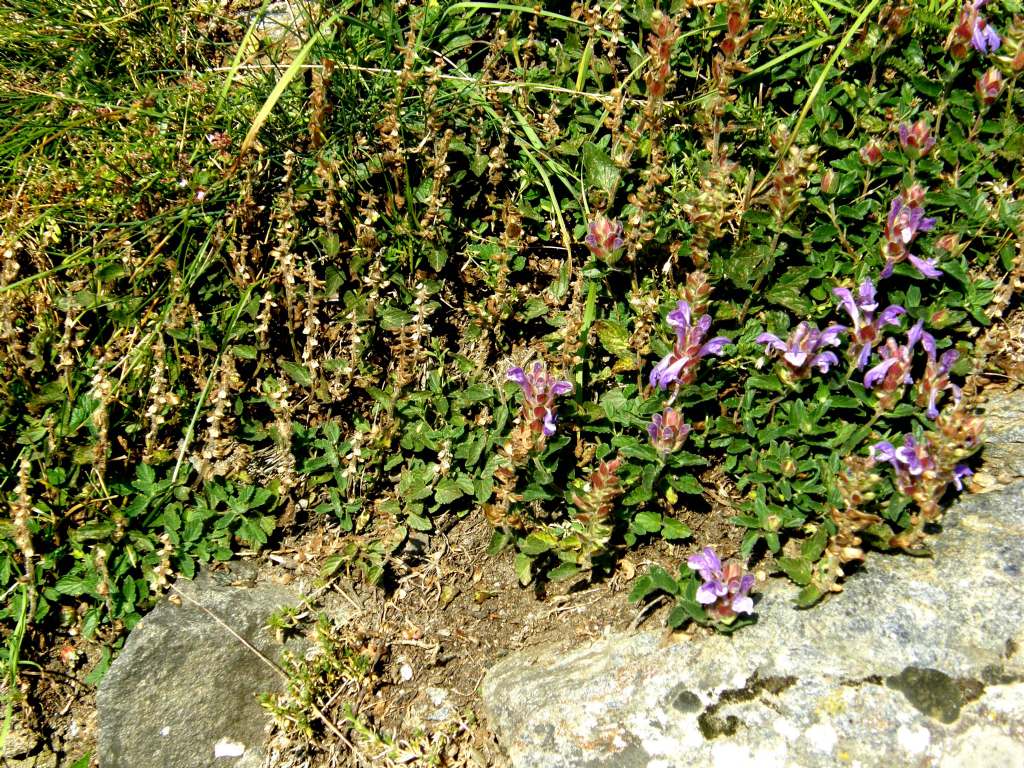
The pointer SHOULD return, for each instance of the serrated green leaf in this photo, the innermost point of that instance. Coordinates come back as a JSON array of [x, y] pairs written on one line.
[[797, 569], [648, 522], [418, 523], [614, 337], [563, 571], [297, 373], [673, 530], [811, 549], [661, 580], [600, 171]]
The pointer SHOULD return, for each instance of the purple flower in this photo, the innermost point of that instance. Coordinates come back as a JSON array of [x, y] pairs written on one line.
[[668, 431], [936, 377], [891, 375], [801, 351], [725, 589], [604, 239], [866, 327], [680, 365], [902, 226], [539, 392], [972, 28], [983, 37]]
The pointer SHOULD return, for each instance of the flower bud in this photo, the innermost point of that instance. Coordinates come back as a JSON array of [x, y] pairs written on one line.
[[871, 153], [604, 239], [914, 196], [916, 140], [988, 87], [828, 182]]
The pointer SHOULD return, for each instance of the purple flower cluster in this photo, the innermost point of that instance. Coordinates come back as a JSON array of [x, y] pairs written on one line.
[[725, 588], [936, 377], [802, 350], [906, 219], [539, 392], [867, 327], [913, 463], [680, 365], [890, 376]]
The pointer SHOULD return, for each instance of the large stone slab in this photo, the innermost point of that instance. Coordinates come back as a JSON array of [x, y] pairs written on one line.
[[183, 692], [918, 663]]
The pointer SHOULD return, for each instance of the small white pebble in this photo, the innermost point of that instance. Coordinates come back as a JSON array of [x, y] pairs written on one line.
[[225, 748], [165, 731], [406, 672], [822, 736], [914, 740]]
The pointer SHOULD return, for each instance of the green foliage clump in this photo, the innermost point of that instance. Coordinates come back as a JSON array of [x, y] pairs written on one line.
[[238, 299]]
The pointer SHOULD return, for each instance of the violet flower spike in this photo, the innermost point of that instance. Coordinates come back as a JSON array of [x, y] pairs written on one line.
[[866, 327], [680, 365], [935, 380], [902, 227], [725, 591], [539, 392], [801, 351], [894, 370]]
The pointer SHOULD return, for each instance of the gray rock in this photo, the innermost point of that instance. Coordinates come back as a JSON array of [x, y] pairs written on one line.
[[1004, 436], [183, 692], [919, 662]]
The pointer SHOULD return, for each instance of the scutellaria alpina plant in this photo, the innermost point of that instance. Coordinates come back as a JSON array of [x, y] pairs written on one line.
[[679, 367], [604, 239], [346, 291], [540, 411], [935, 379], [893, 374], [725, 592], [924, 466], [972, 28], [804, 350], [902, 226], [916, 139], [866, 327]]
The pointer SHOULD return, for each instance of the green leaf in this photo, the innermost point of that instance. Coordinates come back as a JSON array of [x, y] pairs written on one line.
[[614, 337], [661, 580], [447, 491], [811, 549], [392, 318], [686, 484], [418, 523], [648, 522], [499, 540], [809, 595], [600, 171], [797, 568], [523, 566], [563, 571], [641, 589], [536, 543], [74, 585], [673, 530], [297, 373]]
